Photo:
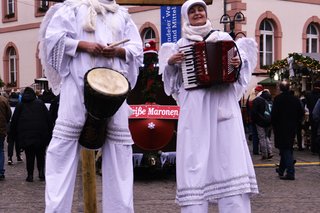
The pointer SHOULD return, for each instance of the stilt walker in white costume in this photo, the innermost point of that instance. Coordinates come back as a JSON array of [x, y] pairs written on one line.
[[213, 160], [74, 38]]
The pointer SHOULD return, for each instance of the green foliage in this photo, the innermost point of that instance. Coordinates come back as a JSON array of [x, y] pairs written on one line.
[[302, 66], [2, 84]]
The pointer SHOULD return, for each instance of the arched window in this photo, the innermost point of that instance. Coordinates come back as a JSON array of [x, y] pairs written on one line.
[[266, 43], [312, 39], [148, 35], [12, 67]]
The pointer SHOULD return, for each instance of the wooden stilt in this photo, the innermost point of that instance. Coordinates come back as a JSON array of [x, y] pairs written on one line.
[[89, 180]]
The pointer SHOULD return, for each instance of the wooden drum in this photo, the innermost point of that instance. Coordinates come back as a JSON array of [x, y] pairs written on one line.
[[105, 90]]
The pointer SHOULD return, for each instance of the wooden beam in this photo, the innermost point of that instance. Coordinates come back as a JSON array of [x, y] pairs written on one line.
[[155, 2], [89, 181]]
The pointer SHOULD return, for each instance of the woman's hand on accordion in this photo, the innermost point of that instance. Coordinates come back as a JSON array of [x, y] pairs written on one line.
[[235, 61], [176, 59]]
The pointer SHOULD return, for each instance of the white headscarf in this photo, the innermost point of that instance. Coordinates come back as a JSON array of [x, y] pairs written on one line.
[[195, 33]]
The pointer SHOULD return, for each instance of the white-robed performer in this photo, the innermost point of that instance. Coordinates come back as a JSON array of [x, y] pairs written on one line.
[[213, 160], [73, 39]]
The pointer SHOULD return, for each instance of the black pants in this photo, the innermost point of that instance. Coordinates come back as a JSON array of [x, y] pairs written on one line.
[[287, 162], [11, 145], [314, 143], [299, 135], [35, 152]]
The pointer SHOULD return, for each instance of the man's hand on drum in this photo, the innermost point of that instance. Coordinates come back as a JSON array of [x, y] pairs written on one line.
[[235, 61], [111, 52], [92, 48], [97, 49], [176, 58]]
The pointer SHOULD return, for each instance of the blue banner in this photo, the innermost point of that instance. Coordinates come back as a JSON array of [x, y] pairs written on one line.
[[170, 23]]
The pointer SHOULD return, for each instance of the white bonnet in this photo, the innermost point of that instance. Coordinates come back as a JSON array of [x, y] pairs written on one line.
[[187, 5]]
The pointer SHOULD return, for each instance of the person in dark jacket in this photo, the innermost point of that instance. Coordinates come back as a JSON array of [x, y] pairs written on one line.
[[316, 119], [261, 117], [311, 99], [5, 115], [31, 128], [54, 107], [286, 114], [255, 139]]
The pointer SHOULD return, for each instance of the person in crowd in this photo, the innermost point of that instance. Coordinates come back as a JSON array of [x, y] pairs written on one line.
[[301, 123], [213, 163], [261, 116], [285, 117], [316, 119], [14, 99], [254, 134], [5, 115], [31, 128], [54, 107], [79, 33], [311, 99], [13, 146], [46, 96]]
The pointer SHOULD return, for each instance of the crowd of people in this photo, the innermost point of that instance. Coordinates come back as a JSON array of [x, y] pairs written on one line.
[[292, 119], [28, 129]]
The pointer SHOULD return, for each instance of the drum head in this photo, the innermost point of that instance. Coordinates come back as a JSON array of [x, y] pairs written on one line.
[[108, 82]]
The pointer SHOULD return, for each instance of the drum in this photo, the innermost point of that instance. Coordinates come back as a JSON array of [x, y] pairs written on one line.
[[105, 90]]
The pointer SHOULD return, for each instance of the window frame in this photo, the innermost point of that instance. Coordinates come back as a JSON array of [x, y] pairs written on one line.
[[312, 37], [146, 31], [263, 38], [12, 67], [9, 14], [39, 10]]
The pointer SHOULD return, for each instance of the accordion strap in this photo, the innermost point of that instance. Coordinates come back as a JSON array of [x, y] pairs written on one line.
[[211, 31]]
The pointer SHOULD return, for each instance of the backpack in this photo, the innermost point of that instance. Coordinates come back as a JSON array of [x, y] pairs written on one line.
[[267, 112], [264, 119], [268, 109]]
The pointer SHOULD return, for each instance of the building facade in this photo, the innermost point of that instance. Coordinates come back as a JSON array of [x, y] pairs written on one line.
[[279, 27]]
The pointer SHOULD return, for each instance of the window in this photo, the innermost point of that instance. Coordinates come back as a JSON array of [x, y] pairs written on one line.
[[266, 43], [10, 7], [12, 67], [9, 10], [43, 6], [312, 39], [149, 34]]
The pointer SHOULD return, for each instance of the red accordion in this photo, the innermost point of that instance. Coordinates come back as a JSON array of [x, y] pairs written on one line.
[[208, 63]]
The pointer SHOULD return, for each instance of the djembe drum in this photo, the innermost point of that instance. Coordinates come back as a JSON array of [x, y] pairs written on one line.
[[104, 92]]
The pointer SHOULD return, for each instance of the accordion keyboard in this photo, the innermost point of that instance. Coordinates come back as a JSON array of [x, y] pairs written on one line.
[[188, 67]]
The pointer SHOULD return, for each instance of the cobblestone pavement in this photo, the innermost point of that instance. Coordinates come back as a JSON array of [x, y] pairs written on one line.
[[157, 195]]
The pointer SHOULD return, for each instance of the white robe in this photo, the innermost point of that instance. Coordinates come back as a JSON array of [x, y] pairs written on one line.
[[213, 160], [65, 68]]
